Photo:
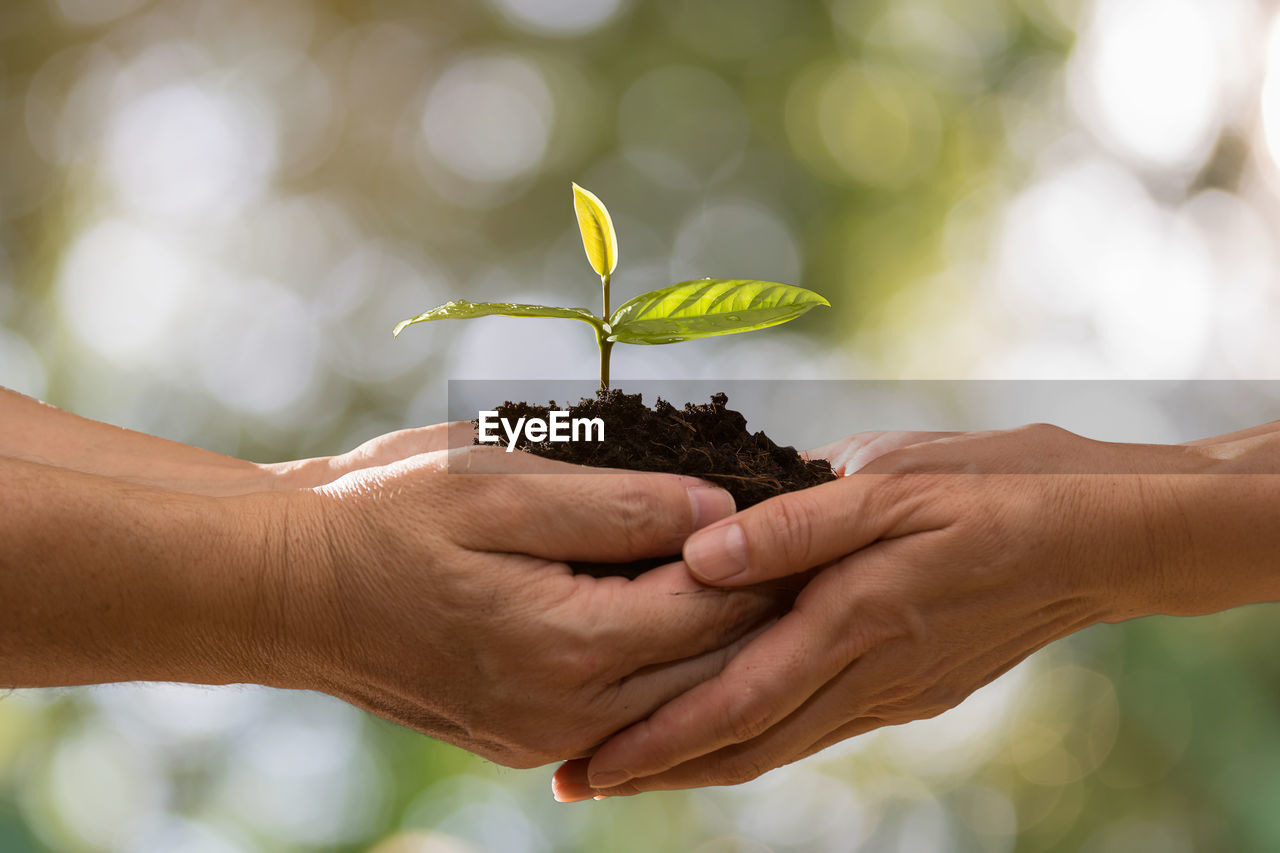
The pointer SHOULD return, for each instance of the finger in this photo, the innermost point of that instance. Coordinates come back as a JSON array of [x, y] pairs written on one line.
[[849, 455], [797, 531], [837, 706], [727, 767], [654, 686], [551, 510], [860, 699], [404, 443], [643, 692], [761, 686], [569, 783], [664, 616], [486, 459], [851, 729]]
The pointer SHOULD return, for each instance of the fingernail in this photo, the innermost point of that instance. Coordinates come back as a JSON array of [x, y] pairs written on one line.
[[710, 504], [600, 797], [608, 779], [717, 554]]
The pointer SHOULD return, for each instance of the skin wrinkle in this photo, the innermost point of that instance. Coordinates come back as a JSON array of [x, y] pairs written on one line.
[[1035, 558], [344, 637], [380, 590], [740, 762], [565, 593], [1195, 566], [258, 602], [403, 710], [277, 605], [387, 700], [358, 581]]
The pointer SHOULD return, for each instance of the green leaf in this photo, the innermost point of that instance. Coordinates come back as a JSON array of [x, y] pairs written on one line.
[[598, 236], [708, 307], [460, 310]]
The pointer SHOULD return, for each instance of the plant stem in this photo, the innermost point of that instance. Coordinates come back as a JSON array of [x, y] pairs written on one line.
[[606, 347]]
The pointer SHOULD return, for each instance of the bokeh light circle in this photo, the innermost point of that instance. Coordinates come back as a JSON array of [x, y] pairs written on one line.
[[488, 119], [190, 150], [1149, 80], [559, 17]]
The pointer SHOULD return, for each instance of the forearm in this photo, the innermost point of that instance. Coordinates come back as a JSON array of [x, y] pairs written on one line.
[[103, 581], [36, 432]]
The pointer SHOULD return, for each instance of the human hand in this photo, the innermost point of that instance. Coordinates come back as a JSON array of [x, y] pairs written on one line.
[[442, 601], [374, 453], [36, 432], [940, 567]]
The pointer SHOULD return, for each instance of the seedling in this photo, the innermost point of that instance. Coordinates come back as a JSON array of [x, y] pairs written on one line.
[[701, 308]]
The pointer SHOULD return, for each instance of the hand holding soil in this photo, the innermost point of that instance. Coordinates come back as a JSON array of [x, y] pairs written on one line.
[[444, 602], [447, 602], [440, 601], [944, 562]]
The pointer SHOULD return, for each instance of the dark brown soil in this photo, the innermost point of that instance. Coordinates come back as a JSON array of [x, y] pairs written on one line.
[[709, 441]]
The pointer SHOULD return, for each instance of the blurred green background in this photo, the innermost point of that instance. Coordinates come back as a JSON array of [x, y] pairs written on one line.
[[212, 212]]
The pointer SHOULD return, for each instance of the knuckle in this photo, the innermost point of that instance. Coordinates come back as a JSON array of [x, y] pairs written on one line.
[[640, 514], [746, 728], [925, 704], [738, 770], [1041, 430], [626, 789], [744, 721], [576, 666], [905, 460], [789, 527], [637, 502], [463, 460], [895, 699], [944, 697]]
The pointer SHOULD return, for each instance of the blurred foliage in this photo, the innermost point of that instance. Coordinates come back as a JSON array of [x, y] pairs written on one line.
[[212, 213]]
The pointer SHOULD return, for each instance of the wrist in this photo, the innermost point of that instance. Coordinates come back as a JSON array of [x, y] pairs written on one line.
[[209, 610], [276, 607], [1129, 544]]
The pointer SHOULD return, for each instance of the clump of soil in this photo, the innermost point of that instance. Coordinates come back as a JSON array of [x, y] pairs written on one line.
[[709, 441]]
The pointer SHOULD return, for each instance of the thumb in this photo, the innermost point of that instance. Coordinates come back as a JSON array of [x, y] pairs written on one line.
[[791, 533], [567, 512]]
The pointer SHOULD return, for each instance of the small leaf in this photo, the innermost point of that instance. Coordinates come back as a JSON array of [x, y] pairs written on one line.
[[708, 307], [461, 310], [598, 236]]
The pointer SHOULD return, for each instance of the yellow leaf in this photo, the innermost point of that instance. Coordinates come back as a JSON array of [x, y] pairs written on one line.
[[598, 236]]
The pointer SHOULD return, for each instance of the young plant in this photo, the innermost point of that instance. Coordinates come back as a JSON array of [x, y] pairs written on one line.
[[692, 309]]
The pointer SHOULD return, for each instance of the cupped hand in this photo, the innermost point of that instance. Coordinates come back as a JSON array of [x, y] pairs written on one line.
[[940, 566], [435, 592], [376, 452]]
